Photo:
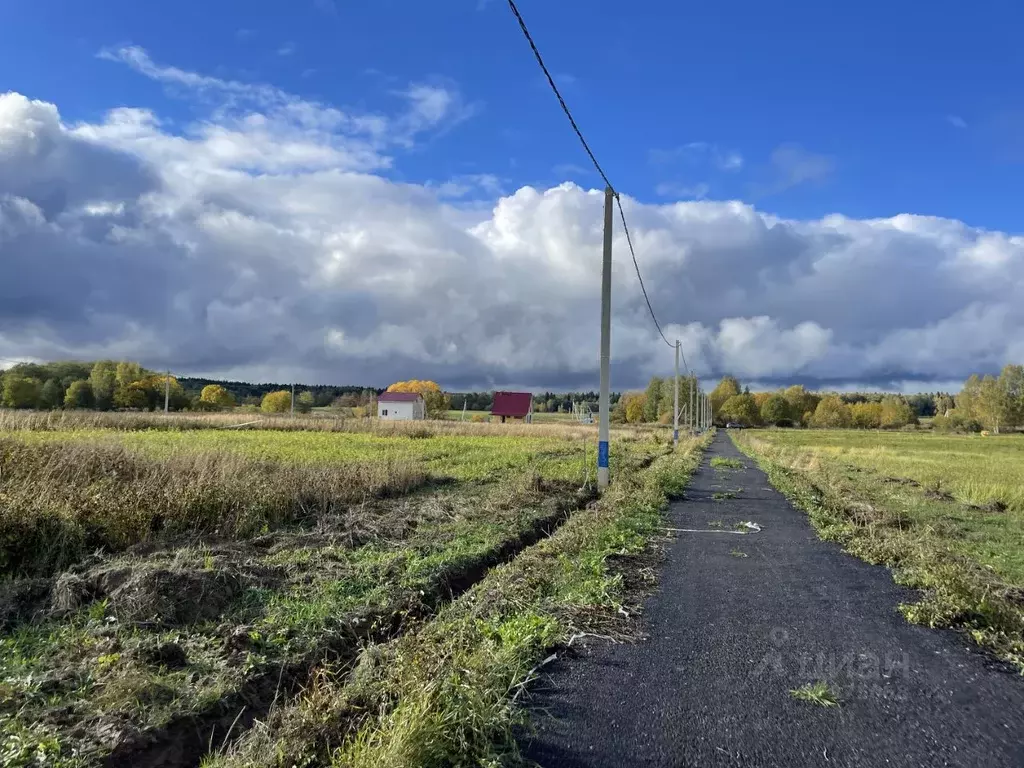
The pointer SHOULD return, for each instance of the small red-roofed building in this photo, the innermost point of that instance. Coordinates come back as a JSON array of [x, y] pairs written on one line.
[[512, 406]]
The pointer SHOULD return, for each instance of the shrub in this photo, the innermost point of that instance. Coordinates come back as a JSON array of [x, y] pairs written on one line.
[[741, 408], [896, 413], [79, 395], [20, 391], [776, 410], [304, 402], [277, 402], [51, 396], [831, 413], [217, 396], [866, 415], [956, 422]]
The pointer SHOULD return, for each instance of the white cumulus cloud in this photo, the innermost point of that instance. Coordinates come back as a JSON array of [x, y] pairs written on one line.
[[265, 241]]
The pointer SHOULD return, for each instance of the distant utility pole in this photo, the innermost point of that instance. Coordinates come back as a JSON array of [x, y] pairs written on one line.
[[293, 400], [690, 415], [675, 403], [464, 408], [606, 341], [167, 392]]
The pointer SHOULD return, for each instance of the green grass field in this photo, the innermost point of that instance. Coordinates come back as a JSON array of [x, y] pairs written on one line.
[[538, 418], [157, 573], [462, 456], [972, 468], [945, 512]]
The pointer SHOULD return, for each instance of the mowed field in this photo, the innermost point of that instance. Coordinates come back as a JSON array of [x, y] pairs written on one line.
[[187, 589], [974, 469], [945, 512], [538, 418]]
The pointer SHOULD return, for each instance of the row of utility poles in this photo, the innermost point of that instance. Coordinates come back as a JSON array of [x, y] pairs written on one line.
[[699, 415]]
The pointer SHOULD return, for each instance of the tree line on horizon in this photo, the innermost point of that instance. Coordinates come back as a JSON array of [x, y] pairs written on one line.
[[985, 402], [106, 385], [125, 385]]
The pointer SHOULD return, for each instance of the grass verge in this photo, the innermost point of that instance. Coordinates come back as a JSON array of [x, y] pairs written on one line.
[[936, 544], [448, 693]]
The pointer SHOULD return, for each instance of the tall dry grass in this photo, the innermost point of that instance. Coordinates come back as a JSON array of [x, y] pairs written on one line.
[[63, 421], [62, 501]]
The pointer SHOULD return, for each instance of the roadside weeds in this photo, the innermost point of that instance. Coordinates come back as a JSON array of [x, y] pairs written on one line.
[[448, 693], [957, 592]]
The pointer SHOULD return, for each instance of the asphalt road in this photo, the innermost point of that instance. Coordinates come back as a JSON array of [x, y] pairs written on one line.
[[729, 636]]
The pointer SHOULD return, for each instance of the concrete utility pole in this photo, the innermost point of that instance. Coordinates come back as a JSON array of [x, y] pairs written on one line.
[[692, 417], [675, 402], [167, 393], [293, 401], [606, 342]]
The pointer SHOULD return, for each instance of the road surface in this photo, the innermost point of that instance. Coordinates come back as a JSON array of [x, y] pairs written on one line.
[[739, 621]]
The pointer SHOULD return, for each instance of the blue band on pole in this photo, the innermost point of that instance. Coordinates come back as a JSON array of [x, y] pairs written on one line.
[[675, 434], [602, 454]]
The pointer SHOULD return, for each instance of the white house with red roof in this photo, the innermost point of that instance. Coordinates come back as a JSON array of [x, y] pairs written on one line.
[[401, 406]]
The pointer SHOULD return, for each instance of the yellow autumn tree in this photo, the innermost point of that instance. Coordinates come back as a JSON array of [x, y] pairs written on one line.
[[217, 396], [634, 403], [437, 402], [277, 402]]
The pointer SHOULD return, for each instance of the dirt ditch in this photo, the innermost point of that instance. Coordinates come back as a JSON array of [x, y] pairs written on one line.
[[186, 739]]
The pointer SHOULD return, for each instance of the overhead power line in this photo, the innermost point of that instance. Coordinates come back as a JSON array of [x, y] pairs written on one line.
[[593, 159], [551, 82], [629, 242]]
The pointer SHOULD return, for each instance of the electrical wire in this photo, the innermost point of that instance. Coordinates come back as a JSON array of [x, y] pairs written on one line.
[[551, 82], [629, 242], [593, 159]]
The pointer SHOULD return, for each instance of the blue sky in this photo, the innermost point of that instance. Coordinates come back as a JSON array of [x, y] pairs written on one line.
[[340, 192], [880, 108]]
